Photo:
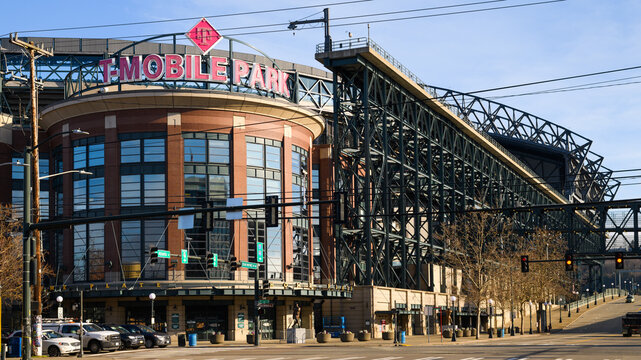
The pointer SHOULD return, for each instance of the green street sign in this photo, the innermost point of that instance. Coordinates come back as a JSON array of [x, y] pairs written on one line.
[[263, 301], [215, 260], [259, 252], [164, 254], [184, 258], [249, 265]]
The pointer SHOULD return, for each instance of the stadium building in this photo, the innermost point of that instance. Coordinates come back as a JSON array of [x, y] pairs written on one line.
[[171, 128]]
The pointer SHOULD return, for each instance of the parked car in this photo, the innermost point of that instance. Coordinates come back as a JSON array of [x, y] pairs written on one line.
[[55, 344], [629, 298], [94, 338], [152, 337], [128, 340]]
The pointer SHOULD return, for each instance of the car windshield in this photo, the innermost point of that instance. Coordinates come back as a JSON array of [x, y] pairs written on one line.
[[146, 328], [119, 329], [52, 334], [91, 327]]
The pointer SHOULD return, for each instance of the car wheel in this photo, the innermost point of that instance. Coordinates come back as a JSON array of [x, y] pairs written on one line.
[[53, 351], [149, 343], [94, 347]]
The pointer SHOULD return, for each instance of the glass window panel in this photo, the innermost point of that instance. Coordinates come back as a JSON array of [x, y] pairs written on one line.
[[130, 151], [255, 191], [80, 195], [274, 253], [273, 188], [295, 163], [296, 197], [273, 157], [130, 190], [96, 155], [96, 193], [44, 167], [44, 204], [17, 203], [154, 234], [218, 186], [195, 189], [195, 150], [255, 155], [131, 248], [219, 151], [79, 157], [154, 189], [154, 150], [79, 249], [59, 203], [96, 252]]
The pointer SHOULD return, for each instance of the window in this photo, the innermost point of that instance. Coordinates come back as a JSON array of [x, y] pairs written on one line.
[[88, 193], [142, 147], [255, 155], [138, 237], [272, 157], [130, 190], [89, 152], [88, 252], [263, 153], [152, 189], [195, 150], [219, 151], [154, 150], [130, 151]]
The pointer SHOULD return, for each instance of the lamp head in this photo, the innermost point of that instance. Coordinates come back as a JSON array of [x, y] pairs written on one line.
[[59, 299], [152, 296], [80, 132]]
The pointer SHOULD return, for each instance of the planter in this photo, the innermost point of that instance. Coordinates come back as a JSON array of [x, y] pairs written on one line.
[[364, 336], [323, 338], [250, 339], [217, 338], [447, 334], [459, 333], [388, 335], [467, 333], [473, 332], [347, 337]]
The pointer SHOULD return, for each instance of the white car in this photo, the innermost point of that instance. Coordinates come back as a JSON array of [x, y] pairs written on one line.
[[55, 344]]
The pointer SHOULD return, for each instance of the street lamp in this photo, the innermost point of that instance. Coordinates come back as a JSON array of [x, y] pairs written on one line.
[[603, 293], [453, 298], [530, 317], [152, 297], [490, 302], [60, 312], [587, 295], [81, 172], [560, 311], [612, 292], [546, 306]]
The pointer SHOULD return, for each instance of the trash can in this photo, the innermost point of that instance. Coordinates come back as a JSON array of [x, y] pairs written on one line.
[[193, 337], [501, 332], [15, 347], [402, 337], [181, 340]]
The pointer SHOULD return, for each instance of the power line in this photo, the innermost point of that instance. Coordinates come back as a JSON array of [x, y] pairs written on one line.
[[190, 18]]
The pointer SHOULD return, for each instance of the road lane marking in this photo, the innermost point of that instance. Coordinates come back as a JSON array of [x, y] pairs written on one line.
[[351, 358], [430, 358]]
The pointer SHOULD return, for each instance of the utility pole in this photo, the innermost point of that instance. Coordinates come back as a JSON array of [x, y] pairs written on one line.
[[325, 20], [35, 172]]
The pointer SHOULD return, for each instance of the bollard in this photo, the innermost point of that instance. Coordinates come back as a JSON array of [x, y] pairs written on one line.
[[3, 354]]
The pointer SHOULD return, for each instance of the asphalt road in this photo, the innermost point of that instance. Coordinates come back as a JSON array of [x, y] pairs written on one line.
[[596, 334]]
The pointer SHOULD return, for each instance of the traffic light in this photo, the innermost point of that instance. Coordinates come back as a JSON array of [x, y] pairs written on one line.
[[265, 284], [618, 261], [271, 212], [569, 262], [340, 207], [261, 311], [525, 264], [153, 253], [233, 263], [211, 260]]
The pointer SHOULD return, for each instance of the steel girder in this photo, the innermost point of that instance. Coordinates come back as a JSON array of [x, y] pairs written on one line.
[[406, 169], [586, 178]]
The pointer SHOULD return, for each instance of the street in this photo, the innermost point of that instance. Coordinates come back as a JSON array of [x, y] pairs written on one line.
[[595, 334]]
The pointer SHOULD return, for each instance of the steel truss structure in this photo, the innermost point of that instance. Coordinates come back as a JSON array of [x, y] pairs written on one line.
[[407, 168], [579, 174]]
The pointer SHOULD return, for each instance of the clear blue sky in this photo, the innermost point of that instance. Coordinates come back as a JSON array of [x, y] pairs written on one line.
[[465, 52]]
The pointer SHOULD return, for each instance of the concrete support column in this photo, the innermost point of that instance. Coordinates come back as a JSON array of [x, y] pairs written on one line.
[[175, 193], [112, 203]]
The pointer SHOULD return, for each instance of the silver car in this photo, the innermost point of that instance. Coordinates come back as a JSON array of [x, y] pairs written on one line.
[[55, 344]]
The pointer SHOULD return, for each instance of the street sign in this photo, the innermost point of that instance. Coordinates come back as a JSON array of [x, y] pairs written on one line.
[[234, 215], [215, 260], [261, 305], [263, 301], [249, 265], [164, 254], [259, 252], [184, 258]]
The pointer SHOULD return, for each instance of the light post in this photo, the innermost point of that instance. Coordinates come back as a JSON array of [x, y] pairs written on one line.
[[453, 298], [489, 320], [60, 312], [595, 297], [530, 317], [603, 293], [560, 312], [152, 297], [612, 292], [587, 295]]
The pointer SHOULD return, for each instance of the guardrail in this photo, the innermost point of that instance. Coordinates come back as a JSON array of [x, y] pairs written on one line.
[[609, 292]]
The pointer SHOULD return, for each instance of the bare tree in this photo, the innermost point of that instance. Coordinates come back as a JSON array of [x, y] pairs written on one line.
[[472, 240], [10, 255]]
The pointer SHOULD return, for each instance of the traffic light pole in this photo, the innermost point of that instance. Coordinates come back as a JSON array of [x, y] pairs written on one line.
[[256, 298]]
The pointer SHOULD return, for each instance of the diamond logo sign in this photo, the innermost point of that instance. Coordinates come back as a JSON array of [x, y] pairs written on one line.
[[204, 36]]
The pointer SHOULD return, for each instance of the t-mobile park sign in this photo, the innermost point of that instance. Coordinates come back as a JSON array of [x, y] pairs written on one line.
[[172, 67]]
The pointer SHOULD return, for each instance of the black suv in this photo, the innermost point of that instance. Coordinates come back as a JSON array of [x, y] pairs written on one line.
[[128, 340], [152, 337]]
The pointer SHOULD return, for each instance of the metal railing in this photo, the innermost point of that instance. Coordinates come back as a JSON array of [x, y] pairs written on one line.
[[609, 292]]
